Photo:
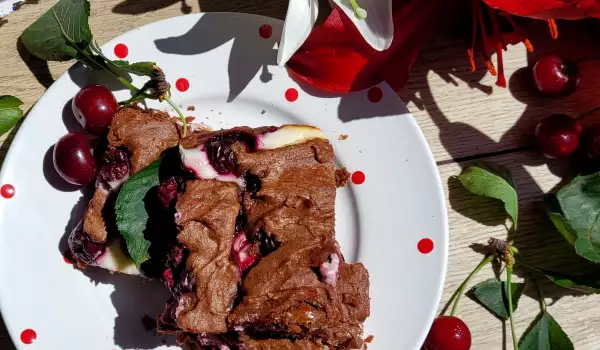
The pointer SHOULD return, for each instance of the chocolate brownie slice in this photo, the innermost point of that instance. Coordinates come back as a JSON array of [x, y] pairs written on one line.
[[275, 238], [303, 289], [136, 138]]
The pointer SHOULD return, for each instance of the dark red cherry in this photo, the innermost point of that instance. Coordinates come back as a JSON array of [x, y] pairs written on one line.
[[557, 136], [73, 159], [448, 333], [555, 77], [94, 107]]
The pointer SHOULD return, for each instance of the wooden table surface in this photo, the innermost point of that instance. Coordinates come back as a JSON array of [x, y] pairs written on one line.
[[463, 115]]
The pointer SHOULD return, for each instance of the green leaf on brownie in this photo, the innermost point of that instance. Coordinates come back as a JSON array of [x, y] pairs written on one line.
[[580, 205], [492, 294], [130, 208], [545, 334], [137, 68], [10, 113], [494, 181], [61, 32]]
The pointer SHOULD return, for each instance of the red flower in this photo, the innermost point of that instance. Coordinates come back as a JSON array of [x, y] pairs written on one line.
[[336, 58], [548, 9]]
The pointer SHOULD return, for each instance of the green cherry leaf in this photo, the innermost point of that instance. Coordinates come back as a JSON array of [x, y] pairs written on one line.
[[492, 294], [494, 181], [545, 334], [61, 32], [580, 205], [131, 211], [589, 283], [137, 68], [10, 113]]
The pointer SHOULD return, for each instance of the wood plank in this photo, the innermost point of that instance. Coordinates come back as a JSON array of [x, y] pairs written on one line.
[[474, 219]]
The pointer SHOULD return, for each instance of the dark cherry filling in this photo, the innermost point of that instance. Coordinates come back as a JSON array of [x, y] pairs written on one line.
[[114, 165], [82, 247], [175, 276], [266, 243], [220, 154], [168, 189], [166, 322], [253, 183]]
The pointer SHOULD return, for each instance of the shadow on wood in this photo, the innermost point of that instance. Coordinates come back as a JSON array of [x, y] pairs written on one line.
[[137, 7], [39, 68]]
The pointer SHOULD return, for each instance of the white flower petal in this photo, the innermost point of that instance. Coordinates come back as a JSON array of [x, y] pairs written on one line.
[[299, 21], [377, 28]]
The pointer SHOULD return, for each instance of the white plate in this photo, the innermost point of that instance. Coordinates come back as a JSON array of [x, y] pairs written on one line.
[[233, 80]]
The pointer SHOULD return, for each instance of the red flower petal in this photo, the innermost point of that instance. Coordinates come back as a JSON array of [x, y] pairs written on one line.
[[548, 9], [336, 58]]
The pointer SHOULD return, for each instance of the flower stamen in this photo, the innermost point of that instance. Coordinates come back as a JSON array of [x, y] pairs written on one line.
[[501, 81], [359, 12], [553, 28], [488, 62]]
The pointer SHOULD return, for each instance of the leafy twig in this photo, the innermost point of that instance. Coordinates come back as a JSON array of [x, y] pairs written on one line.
[[460, 291], [541, 295]]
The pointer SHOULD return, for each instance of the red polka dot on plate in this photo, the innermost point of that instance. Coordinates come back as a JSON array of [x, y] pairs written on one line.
[[182, 84], [28, 336], [425, 246], [291, 94], [121, 50], [7, 191], [358, 177], [265, 31], [375, 94]]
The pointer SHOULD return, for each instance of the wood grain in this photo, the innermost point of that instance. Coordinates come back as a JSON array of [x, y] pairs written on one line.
[[462, 115]]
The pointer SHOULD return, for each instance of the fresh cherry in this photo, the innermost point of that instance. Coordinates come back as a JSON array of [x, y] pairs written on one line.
[[448, 333], [94, 107], [558, 135], [555, 77], [73, 159]]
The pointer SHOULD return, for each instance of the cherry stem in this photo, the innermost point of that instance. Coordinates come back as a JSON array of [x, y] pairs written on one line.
[[509, 270], [541, 294], [166, 98], [460, 291]]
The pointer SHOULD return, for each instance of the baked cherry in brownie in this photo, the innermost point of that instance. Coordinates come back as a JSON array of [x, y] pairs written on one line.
[[82, 247], [220, 154], [114, 165]]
